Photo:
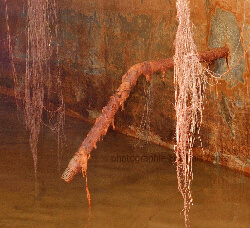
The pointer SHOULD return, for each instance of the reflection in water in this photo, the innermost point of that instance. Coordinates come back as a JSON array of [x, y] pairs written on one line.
[[129, 187]]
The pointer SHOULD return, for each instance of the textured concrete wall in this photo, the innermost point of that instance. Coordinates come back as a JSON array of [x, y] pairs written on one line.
[[100, 39]]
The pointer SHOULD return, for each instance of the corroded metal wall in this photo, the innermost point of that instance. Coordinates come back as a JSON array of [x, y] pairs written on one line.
[[226, 121], [100, 39]]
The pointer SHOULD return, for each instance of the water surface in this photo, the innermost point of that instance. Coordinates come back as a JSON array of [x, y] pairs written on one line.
[[127, 190]]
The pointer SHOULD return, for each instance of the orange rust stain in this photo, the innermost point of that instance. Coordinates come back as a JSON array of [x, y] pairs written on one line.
[[130, 6], [247, 169], [224, 4]]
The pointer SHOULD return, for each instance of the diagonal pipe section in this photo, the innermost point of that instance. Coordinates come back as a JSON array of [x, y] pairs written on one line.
[[79, 162]]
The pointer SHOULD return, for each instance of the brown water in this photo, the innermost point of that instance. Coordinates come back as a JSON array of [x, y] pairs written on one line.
[[124, 194]]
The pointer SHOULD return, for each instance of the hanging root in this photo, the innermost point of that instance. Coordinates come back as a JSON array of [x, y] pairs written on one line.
[[41, 29], [189, 87]]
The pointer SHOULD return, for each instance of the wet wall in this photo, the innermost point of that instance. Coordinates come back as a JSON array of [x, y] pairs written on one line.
[[100, 40]]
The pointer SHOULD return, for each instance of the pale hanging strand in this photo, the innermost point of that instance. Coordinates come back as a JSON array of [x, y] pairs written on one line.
[[36, 71], [189, 87], [42, 25]]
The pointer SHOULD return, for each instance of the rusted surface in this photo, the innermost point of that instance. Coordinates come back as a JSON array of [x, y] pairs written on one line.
[[129, 80], [100, 40], [210, 56]]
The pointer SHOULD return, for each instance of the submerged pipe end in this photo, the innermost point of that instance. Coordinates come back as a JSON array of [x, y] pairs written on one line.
[[70, 172]]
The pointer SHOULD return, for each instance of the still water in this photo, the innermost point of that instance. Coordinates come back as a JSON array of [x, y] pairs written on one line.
[[130, 187]]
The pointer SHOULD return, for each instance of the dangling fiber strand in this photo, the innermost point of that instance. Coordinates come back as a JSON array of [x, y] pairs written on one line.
[[41, 26], [189, 87]]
